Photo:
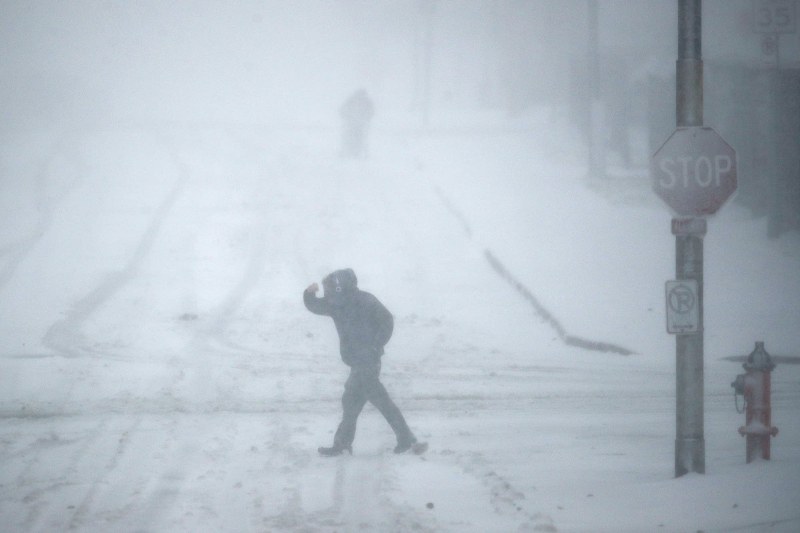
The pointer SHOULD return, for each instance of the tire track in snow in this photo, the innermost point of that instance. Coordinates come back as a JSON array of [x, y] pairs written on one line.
[[92, 447], [504, 498], [290, 515], [83, 510], [570, 340], [16, 252], [221, 317], [539, 309], [64, 337], [38, 509], [360, 498], [160, 495], [212, 338], [261, 234]]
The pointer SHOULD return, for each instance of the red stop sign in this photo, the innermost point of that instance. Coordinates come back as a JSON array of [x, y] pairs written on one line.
[[694, 171]]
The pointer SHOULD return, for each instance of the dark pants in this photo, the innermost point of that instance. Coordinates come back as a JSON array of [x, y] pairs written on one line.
[[362, 386], [354, 140]]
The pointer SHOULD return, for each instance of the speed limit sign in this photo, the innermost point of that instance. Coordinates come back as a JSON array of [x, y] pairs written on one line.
[[774, 16]]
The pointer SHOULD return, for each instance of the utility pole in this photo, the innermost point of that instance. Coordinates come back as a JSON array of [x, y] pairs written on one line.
[[689, 233], [427, 8], [694, 172], [596, 109]]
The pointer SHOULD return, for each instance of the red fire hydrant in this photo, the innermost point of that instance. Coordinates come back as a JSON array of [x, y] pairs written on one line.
[[755, 386]]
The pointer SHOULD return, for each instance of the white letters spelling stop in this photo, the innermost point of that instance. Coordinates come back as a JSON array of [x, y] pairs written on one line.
[[694, 171]]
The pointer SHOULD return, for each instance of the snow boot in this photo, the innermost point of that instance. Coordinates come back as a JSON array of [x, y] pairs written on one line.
[[417, 448], [334, 450]]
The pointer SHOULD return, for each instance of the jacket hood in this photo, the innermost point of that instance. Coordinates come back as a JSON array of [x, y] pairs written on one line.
[[339, 283]]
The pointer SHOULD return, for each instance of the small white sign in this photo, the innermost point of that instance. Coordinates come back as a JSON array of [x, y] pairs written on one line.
[[683, 307]]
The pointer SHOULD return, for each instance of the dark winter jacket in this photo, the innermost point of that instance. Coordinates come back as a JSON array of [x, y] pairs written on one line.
[[363, 323]]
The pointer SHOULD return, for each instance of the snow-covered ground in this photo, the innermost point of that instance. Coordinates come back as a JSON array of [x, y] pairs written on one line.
[[158, 371]]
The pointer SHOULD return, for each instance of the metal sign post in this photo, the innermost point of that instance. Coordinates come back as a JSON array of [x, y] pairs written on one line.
[[694, 172], [689, 395], [771, 19], [690, 453]]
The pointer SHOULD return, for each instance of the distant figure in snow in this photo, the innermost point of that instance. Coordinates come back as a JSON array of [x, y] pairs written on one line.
[[364, 326], [356, 113]]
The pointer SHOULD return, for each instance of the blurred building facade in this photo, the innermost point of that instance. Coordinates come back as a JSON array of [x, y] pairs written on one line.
[[580, 54]]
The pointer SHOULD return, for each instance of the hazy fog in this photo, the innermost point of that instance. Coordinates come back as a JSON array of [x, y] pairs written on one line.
[[171, 180], [262, 60]]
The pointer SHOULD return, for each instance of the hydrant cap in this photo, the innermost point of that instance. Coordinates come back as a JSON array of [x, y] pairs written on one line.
[[759, 359]]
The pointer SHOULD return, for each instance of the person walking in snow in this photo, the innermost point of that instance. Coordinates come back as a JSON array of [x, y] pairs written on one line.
[[364, 326], [356, 113]]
